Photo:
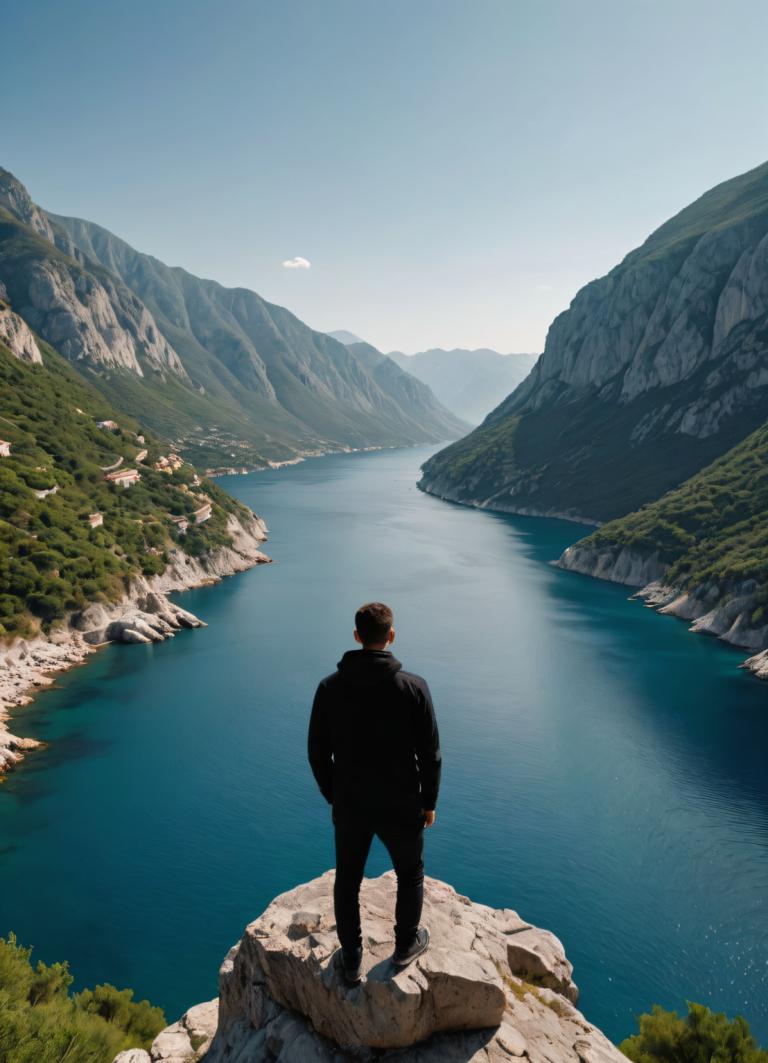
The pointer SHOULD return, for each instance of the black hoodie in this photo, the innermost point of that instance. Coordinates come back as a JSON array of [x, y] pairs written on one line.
[[373, 738]]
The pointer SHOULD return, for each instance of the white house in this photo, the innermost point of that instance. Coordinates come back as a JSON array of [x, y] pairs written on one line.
[[123, 477], [182, 524], [5, 448], [203, 513], [95, 520], [111, 426]]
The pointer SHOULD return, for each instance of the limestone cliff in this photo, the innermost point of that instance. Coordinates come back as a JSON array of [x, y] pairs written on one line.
[[17, 335], [85, 313], [652, 372], [491, 988]]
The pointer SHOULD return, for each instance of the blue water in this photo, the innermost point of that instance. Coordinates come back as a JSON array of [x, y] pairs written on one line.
[[605, 770]]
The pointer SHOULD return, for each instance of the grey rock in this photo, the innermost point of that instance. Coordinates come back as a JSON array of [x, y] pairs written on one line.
[[282, 1001]]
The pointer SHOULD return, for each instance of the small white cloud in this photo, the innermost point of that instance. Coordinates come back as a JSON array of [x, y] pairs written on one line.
[[543, 287], [297, 263]]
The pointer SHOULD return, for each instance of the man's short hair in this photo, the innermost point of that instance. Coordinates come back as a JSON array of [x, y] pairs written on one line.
[[373, 622]]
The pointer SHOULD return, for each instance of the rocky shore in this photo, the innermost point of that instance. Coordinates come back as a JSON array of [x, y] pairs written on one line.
[[727, 612], [144, 615], [491, 988]]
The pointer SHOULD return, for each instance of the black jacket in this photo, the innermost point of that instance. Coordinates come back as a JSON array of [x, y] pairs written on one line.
[[373, 737]]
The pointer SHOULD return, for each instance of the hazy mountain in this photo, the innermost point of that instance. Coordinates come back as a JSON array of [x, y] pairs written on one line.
[[343, 336], [469, 382], [653, 371], [235, 379]]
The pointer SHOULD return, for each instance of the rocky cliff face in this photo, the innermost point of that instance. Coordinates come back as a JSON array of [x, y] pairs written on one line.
[[223, 372], [86, 314], [652, 372], [239, 348], [731, 611], [490, 988], [16, 334]]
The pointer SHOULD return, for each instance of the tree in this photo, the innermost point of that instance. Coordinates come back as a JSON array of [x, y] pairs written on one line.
[[702, 1036]]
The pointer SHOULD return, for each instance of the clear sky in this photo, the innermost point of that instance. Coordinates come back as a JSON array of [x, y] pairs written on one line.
[[452, 171]]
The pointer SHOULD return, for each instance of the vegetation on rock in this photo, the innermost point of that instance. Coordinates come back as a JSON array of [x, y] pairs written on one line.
[[711, 529], [41, 1022], [702, 1036], [52, 562]]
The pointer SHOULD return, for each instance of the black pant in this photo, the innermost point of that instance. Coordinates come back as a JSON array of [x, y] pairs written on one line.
[[402, 832]]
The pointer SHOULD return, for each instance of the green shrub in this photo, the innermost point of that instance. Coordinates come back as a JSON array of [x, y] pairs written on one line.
[[702, 1036], [40, 1022]]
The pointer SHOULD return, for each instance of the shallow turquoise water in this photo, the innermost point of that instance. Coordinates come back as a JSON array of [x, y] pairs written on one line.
[[605, 771]]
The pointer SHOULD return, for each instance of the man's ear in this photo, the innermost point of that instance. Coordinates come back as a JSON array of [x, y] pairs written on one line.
[[357, 637], [391, 635]]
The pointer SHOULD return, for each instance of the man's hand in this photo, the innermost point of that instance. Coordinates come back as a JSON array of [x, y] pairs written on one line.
[[429, 817]]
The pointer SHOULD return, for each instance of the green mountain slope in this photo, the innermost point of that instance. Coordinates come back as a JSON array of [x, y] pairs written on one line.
[[700, 551], [713, 528], [52, 562], [295, 387], [653, 372], [232, 378]]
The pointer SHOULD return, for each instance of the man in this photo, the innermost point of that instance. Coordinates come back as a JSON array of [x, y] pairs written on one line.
[[375, 753]]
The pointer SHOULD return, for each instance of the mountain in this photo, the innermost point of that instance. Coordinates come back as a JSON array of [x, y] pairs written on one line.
[[230, 377], [409, 392], [346, 337], [471, 383], [653, 372], [71, 534]]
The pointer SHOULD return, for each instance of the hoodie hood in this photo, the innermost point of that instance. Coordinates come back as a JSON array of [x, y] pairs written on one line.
[[368, 668]]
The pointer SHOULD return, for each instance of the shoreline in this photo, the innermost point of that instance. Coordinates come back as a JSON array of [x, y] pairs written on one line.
[[144, 614], [726, 617], [710, 610], [242, 470]]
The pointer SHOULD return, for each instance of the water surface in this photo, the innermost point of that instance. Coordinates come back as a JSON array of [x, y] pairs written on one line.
[[605, 771]]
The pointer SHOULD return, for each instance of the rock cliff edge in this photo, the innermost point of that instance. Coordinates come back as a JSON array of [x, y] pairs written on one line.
[[490, 988]]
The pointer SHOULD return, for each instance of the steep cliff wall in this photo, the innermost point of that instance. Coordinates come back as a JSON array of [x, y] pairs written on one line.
[[652, 372]]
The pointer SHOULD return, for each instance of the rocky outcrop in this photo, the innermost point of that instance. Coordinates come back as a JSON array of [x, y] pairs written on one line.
[[726, 611], [490, 988], [15, 198], [144, 615], [619, 564], [652, 372], [87, 314], [17, 335], [92, 319]]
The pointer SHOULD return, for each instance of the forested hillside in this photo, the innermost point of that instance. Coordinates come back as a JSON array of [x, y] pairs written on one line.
[[52, 561]]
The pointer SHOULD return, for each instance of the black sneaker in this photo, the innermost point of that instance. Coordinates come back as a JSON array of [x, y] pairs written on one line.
[[403, 956], [350, 963]]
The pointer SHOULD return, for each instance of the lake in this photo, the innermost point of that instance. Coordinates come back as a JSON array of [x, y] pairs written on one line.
[[604, 769]]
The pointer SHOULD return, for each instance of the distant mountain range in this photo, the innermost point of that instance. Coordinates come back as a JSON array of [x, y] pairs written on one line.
[[233, 379], [470, 383], [652, 392]]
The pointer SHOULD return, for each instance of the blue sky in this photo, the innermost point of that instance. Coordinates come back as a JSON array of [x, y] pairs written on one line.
[[453, 172]]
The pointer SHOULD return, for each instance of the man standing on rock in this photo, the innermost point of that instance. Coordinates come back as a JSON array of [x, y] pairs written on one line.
[[375, 753]]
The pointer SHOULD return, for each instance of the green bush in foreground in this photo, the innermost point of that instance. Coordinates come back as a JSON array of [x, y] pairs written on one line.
[[40, 1022], [702, 1036]]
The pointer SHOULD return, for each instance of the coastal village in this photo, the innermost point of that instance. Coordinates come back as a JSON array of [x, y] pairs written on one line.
[[167, 464], [121, 477]]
